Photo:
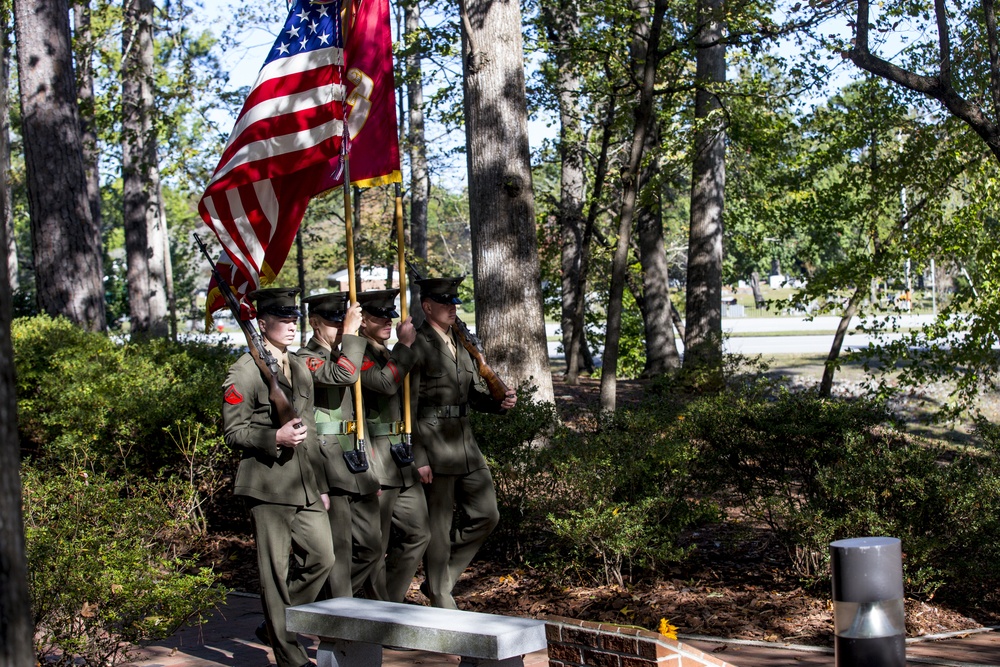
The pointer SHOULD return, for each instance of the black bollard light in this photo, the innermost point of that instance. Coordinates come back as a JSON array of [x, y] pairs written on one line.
[[868, 615]]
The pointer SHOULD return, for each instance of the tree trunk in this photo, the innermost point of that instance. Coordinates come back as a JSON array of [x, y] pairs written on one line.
[[661, 347], [562, 25], [420, 184], [144, 244], [703, 342], [619, 265], [830, 367], [578, 346], [505, 265], [676, 318], [7, 209], [758, 298], [66, 244], [168, 266], [85, 98], [16, 649]]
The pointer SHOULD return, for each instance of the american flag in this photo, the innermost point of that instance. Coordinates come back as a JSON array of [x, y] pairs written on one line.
[[286, 145], [279, 152]]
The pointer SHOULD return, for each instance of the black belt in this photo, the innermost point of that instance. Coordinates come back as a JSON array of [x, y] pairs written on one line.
[[444, 411]]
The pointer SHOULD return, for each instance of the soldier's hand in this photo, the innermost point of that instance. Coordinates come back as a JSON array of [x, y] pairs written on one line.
[[292, 434], [510, 400], [426, 476], [406, 334], [325, 497], [352, 319]]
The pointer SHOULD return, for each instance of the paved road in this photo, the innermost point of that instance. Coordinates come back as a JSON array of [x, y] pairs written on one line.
[[816, 335]]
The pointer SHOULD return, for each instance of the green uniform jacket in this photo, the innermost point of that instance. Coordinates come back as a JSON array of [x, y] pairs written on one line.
[[382, 382], [333, 373], [283, 475], [441, 388]]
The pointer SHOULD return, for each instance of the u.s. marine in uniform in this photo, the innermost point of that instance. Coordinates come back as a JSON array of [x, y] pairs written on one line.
[[280, 474], [403, 504], [444, 385], [333, 356]]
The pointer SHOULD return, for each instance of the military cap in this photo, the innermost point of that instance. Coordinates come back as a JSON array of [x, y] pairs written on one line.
[[441, 290], [331, 306], [380, 303], [277, 301]]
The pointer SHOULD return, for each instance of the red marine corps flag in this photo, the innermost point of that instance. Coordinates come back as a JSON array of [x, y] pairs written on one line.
[[287, 145]]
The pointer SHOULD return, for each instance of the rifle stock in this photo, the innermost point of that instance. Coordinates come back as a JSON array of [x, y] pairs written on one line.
[[265, 361], [498, 390]]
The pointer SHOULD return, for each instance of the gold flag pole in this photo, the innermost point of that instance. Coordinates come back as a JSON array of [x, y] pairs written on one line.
[[403, 311], [360, 462]]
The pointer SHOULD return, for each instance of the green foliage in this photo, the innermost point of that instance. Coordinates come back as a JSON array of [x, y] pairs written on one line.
[[632, 346], [619, 496], [817, 470], [85, 401], [514, 445], [626, 494], [104, 569]]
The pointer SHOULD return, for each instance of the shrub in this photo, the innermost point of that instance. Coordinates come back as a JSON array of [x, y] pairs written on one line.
[[106, 565], [514, 445], [819, 470], [618, 496], [626, 493], [85, 401]]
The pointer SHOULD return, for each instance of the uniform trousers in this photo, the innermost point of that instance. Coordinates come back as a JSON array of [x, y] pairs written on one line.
[[462, 512], [294, 558], [404, 536], [356, 531]]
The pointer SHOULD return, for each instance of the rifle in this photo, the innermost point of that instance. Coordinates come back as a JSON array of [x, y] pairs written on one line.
[[498, 390], [265, 361]]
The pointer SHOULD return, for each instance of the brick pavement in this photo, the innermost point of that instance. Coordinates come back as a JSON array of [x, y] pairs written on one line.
[[227, 640]]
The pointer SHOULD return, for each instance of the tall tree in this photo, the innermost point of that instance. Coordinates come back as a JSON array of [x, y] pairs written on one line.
[[16, 628], [84, 48], [145, 233], [420, 183], [66, 244], [505, 261], [630, 178], [661, 347], [7, 209], [561, 22], [703, 326]]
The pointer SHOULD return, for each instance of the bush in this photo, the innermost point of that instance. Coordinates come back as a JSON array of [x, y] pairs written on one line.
[[618, 496], [626, 493], [514, 446], [819, 470], [87, 402], [106, 565]]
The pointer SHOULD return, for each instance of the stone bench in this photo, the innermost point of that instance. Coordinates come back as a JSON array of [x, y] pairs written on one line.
[[353, 631]]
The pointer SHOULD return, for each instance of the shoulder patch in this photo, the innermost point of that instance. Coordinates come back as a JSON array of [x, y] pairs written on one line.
[[232, 396], [367, 363], [346, 364], [313, 363], [395, 371]]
